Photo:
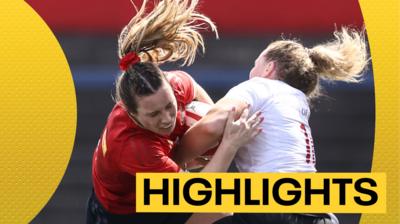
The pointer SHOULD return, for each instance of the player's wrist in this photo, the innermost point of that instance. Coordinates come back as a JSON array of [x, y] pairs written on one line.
[[227, 148]]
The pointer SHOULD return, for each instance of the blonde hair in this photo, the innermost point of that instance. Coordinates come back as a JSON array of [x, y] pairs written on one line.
[[342, 59], [168, 33]]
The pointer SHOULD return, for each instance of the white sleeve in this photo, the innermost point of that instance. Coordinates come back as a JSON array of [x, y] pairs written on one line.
[[250, 92]]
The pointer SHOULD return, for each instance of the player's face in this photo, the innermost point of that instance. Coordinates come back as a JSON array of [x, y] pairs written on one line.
[[259, 66], [157, 112]]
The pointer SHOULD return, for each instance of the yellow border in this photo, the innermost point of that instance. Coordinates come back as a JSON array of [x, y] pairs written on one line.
[[382, 24], [37, 113]]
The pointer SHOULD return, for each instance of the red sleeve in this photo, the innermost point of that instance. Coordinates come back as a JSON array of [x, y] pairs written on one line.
[[146, 154], [183, 86]]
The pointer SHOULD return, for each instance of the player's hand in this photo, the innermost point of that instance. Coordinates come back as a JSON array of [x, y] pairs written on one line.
[[198, 163], [238, 133]]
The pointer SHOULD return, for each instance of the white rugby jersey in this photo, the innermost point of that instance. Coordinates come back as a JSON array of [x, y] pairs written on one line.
[[285, 144]]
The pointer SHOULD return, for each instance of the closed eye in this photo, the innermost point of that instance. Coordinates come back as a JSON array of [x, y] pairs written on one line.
[[154, 114], [169, 106]]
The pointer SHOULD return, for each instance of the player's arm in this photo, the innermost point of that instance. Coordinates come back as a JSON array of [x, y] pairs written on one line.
[[208, 131], [235, 135]]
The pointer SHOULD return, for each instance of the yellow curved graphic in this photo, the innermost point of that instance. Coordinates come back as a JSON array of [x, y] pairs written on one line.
[[37, 112], [382, 23]]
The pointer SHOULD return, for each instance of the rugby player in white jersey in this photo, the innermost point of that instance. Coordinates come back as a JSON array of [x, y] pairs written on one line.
[[281, 84]]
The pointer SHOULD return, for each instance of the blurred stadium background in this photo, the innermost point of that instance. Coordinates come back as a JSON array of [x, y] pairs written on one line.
[[342, 122]]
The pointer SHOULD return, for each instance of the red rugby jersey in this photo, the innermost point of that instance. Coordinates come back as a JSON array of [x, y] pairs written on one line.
[[125, 149]]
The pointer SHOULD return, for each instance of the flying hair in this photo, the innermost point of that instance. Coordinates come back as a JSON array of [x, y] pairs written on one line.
[[169, 32], [342, 59]]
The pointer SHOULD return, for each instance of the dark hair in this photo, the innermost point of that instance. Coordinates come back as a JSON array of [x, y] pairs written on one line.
[[141, 79], [167, 33]]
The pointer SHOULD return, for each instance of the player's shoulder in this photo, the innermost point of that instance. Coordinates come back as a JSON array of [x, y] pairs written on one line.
[[182, 84], [265, 82], [121, 126], [119, 115], [278, 86], [257, 82], [255, 85], [177, 76]]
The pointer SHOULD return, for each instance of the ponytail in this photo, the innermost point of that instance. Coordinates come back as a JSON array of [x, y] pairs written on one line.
[[170, 32], [342, 59]]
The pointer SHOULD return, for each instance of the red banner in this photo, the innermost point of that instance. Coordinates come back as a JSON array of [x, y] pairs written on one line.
[[238, 17]]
